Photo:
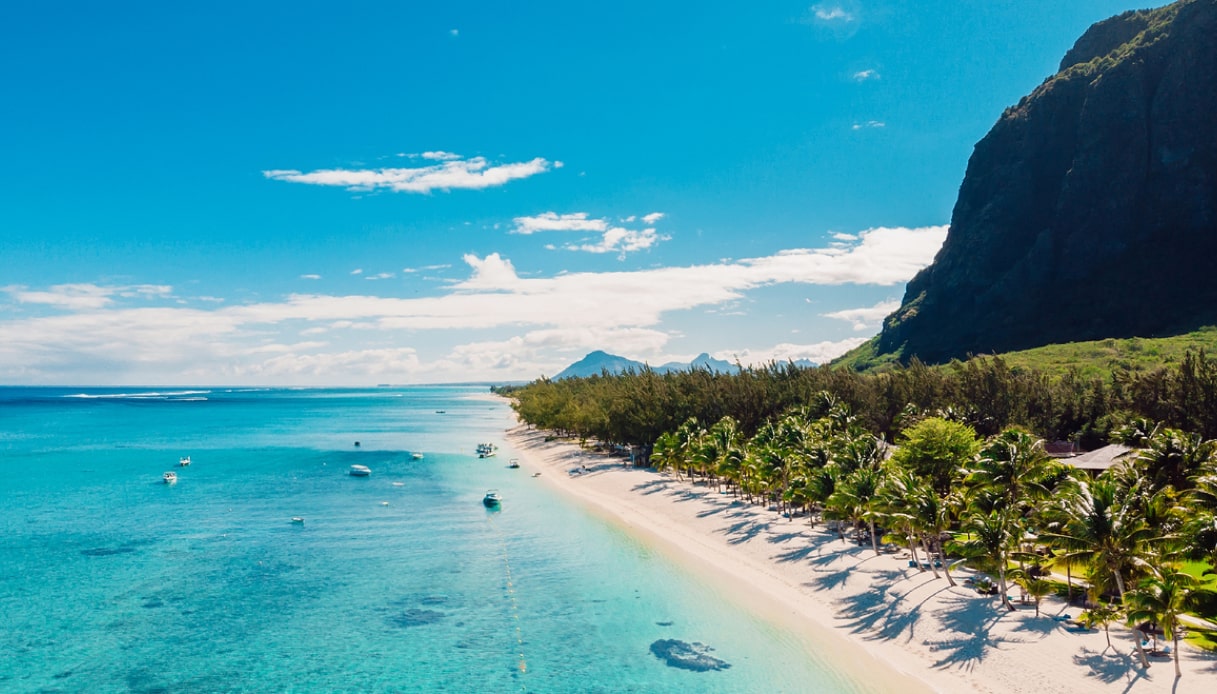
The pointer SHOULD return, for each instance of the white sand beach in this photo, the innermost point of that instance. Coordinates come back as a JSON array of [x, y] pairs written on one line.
[[894, 627]]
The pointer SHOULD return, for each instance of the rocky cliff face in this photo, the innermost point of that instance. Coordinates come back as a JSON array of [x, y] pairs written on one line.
[[1090, 209]]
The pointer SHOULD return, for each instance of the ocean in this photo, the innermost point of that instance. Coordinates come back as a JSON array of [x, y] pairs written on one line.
[[401, 581]]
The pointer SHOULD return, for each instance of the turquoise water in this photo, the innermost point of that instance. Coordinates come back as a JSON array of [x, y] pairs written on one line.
[[111, 581]]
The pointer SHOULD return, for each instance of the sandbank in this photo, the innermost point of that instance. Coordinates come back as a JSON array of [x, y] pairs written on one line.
[[882, 623]]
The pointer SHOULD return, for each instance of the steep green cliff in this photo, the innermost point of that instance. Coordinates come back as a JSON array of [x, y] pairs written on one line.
[[1090, 209]]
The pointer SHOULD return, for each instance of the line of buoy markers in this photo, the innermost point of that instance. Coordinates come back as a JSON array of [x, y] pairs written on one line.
[[522, 663]]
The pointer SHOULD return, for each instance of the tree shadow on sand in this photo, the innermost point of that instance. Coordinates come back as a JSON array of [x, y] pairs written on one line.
[[1109, 665], [884, 614], [972, 619], [1039, 626], [651, 487], [744, 530]]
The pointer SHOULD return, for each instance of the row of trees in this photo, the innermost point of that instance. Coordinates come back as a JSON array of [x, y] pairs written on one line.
[[1001, 503], [635, 408]]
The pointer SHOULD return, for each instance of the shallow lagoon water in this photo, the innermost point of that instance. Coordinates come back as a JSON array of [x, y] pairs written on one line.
[[111, 581]]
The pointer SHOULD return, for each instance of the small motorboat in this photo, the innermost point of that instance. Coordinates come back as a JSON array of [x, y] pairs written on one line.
[[416, 456], [184, 461], [169, 478], [360, 471], [297, 520], [486, 450], [515, 463], [492, 499]]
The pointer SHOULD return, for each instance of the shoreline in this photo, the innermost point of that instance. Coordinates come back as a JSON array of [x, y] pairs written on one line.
[[883, 625]]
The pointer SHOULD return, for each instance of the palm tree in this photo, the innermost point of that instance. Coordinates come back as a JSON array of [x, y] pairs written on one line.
[[993, 537], [1036, 587], [1136, 433], [1161, 600], [1172, 457], [721, 448], [666, 453], [1103, 613], [856, 497], [1103, 530], [1013, 467], [899, 495]]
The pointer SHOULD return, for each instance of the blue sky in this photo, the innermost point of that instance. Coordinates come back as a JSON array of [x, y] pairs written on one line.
[[352, 193]]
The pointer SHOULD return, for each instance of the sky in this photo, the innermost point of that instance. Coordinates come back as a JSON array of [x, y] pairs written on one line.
[[312, 193]]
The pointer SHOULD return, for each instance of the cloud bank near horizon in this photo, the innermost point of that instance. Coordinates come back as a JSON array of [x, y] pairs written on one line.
[[122, 332]]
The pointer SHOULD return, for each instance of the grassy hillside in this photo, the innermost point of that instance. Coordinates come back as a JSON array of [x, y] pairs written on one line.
[[1094, 358], [1103, 357]]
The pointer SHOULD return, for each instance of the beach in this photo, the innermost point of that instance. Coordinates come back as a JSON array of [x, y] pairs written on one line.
[[892, 626]]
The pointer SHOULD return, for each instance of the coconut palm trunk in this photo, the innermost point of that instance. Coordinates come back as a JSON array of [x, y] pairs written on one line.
[[929, 558], [1138, 637]]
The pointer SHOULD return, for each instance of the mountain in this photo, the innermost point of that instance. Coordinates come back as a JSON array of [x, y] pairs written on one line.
[[598, 362], [1090, 209], [702, 361]]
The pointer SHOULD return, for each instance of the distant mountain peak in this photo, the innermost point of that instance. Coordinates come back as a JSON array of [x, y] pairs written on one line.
[[599, 361]]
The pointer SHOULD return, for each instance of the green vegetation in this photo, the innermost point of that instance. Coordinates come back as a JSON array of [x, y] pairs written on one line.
[[1087, 360], [1106, 358], [1202, 638], [970, 478]]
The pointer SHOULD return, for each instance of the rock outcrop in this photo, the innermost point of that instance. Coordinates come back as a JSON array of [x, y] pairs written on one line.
[[1090, 209]]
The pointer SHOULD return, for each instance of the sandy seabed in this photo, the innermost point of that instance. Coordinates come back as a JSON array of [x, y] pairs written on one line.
[[881, 622]]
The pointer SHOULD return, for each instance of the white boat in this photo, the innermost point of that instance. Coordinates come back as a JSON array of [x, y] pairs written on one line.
[[515, 463], [492, 499], [297, 520], [417, 456], [486, 450], [183, 461], [360, 471], [169, 478]]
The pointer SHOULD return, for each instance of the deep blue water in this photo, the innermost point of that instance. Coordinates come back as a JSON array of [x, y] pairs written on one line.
[[111, 581]]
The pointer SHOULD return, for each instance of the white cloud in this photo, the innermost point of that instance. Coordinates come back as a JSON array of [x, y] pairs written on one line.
[[470, 174], [869, 125], [440, 155], [227, 343], [828, 12], [83, 296], [818, 353], [357, 271], [864, 75], [621, 241], [614, 239], [552, 221], [454, 32], [380, 276], [841, 236], [368, 363], [868, 317]]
